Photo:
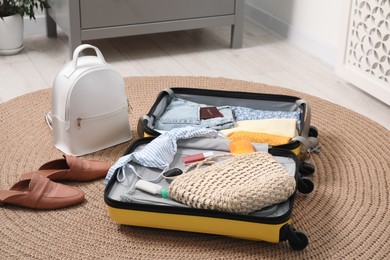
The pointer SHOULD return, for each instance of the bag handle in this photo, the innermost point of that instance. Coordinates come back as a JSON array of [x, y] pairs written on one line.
[[76, 55]]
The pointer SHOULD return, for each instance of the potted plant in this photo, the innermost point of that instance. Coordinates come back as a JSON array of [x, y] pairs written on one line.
[[11, 22]]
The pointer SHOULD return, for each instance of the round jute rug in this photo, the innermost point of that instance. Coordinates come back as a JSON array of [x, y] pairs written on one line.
[[347, 216]]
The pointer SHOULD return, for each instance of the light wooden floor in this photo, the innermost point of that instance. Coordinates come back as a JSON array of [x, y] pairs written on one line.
[[264, 58]]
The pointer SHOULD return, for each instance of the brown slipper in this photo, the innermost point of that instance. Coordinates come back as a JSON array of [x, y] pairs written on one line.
[[71, 168], [41, 193]]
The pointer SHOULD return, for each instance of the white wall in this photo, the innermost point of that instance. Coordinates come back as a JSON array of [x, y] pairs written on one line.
[[310, 24]]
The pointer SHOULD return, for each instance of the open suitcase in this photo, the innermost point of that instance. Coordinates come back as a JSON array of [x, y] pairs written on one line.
[[129, 206], [305, 142]]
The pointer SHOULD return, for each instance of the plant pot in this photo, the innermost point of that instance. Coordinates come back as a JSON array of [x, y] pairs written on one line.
[[11, 34]]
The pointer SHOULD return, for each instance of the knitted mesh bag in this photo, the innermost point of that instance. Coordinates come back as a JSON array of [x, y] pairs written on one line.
[[240, 184]]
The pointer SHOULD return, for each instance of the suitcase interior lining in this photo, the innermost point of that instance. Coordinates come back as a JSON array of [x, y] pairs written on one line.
[[139, 197], [270, 105]]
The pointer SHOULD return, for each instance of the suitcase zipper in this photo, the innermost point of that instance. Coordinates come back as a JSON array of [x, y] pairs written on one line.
[[79, 119]]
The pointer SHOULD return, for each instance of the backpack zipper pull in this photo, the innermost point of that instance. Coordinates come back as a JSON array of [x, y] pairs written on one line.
[[78, 123]]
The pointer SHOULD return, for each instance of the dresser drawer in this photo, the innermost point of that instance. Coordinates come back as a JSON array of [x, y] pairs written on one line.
[[106, 13]]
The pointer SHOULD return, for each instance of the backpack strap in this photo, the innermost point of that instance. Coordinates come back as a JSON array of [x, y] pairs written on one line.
[[49, 120]]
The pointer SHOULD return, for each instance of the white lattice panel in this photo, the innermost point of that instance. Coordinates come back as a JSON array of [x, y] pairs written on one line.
[[365, 60]]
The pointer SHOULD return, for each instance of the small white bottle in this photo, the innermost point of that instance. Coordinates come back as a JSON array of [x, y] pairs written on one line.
[[152, 188]]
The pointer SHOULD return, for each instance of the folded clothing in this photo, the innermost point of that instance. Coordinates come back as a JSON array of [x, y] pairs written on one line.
[[181, 113], [282, 127], [245, 113], [259, 137]]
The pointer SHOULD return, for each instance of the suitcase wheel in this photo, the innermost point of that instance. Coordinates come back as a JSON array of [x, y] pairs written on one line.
[[313, 131], [306, 168], [305, 185], [296, 239]]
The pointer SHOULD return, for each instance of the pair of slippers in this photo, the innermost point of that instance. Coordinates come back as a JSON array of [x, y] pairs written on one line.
[[37, 189]]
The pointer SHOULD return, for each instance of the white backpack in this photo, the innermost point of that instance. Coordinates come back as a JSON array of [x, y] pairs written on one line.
[[89, 105]]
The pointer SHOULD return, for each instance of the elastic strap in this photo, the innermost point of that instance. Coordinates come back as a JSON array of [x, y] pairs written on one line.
[[121, 175], [308, 142], [169, 91], [49, 120]]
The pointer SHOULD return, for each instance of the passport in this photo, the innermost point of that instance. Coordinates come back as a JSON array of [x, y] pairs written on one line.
[[209, 112]]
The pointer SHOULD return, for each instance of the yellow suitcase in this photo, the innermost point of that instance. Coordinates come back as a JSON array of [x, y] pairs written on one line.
[[128, 206]]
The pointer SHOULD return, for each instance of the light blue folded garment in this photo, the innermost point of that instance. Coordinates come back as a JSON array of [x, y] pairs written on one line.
[[182, 113]]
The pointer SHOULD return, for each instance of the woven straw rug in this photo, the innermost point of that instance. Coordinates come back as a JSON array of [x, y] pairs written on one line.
[[347, 216]]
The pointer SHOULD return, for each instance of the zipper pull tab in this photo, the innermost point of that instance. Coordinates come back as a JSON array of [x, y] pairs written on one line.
[[79, 123]]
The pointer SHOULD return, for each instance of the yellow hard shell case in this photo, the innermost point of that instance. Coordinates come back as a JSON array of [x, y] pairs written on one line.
[[273, 228]]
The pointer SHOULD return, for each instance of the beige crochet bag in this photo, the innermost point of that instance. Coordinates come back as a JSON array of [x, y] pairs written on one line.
[[240, 184]]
